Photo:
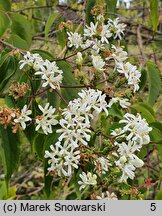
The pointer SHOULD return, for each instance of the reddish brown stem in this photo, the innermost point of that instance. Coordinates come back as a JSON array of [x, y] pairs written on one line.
[[60, 95]]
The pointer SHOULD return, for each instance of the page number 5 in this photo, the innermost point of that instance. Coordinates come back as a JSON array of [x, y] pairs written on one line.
[[153, 206]]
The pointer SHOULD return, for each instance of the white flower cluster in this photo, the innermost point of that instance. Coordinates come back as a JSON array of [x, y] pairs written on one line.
[[33, 60], [47, 119], [137, 129], [123, 102], [96, 37], [62, 159], [44, 121], [87, 179], [23, 117], [135, 134], [75, 39], [131, 73], [75, 125], [128, 161], [107, 196], [49, 71], [75, 129]]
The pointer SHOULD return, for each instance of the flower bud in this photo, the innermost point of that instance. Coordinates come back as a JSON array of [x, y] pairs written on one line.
[[79, 59]]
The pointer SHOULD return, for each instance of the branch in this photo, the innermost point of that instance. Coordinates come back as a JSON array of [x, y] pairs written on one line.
[[11, 46], [60, 95], [33, 7], [79, 86], [140, 44]]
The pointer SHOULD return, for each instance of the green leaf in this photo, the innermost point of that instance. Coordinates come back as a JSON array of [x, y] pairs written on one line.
[[18, 42], [145, 110], [114, 126], [154, 13], [5, 5], [30, 133], [111, 7], [143, 79], [7, 193], [159, 195], [3, 190], [9, 150], [4, 23], [154, 82], [7, 70], [38, 145], [3, 59], [68, 80], [61, 35], [89, 5], [54, 99], [156, 135], [115, 111], [44, 54], [21, 27], [49, 23]]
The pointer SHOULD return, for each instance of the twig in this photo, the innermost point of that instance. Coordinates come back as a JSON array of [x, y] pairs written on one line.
[[77, 86], [11, 46], [150, 167], [140, 44], [60, 95], [33, 7]]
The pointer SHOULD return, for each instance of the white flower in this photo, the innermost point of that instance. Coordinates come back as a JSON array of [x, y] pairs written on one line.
[[124, 102], [128, 161], [93, 99], [128, 172], [97, 46], [74, 131], [87, 179], [137, 128], [117, 28], [126, 149], [105, 34], [88, 43], [51, 74], [118, 54], [75, 124], [23, 117], [75, 39], [104, 164], [125, 3], [47, 119], [131, 73], [98, 62], [91, 30], [33, 60], [116, 132], [62, 159], [128, 167], [107, 196]]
